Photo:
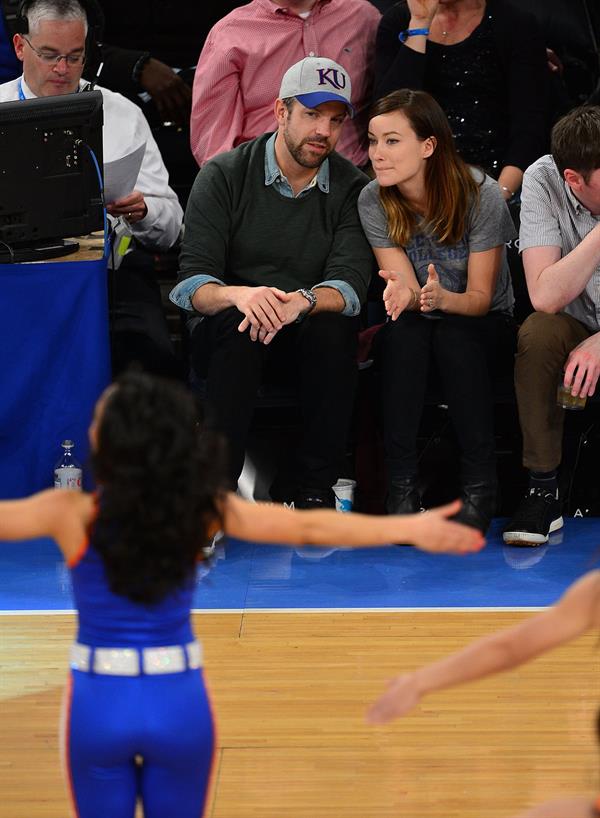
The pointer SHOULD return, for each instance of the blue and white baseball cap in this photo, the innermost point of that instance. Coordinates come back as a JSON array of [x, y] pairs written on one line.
[[315, 80]]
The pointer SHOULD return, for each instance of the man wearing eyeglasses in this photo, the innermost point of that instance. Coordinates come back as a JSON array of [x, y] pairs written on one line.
[[53, 57]]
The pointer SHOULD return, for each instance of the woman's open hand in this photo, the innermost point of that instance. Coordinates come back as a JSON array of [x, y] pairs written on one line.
[[397, 295], [432, 294]]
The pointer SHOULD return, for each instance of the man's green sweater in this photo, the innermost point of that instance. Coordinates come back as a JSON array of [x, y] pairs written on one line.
[[245, 233]]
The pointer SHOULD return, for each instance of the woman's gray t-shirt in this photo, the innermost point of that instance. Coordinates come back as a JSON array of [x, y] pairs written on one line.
[[489, 225]]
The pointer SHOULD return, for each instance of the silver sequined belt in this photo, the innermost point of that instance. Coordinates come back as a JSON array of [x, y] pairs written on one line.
[[136, 661]]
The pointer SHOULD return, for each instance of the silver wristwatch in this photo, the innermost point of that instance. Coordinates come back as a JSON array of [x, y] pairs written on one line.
[[312, 303]]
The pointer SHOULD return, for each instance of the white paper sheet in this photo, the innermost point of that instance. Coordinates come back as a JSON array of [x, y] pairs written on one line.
[[121, 175]]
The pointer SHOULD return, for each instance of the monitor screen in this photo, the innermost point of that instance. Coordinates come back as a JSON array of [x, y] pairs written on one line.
[[50, 188]]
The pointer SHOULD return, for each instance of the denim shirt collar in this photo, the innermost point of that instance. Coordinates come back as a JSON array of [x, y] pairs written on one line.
[[273, 172]]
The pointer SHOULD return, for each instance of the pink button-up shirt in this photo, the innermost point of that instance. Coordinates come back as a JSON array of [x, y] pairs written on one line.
[[247, 53]]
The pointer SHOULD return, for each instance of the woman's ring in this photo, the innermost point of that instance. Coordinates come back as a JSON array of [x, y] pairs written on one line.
[[129, 215], [430, 302]]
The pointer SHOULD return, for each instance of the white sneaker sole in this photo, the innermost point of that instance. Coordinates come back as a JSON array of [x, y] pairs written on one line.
[[527, 538]]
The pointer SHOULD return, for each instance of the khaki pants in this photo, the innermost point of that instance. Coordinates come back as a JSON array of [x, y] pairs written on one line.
[[545, 342]]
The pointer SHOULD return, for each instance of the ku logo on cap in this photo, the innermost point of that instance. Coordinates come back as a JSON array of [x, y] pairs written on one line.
[[332, 77]]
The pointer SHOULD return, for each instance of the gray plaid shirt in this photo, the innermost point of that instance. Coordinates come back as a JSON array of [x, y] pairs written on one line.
[[552, 216]]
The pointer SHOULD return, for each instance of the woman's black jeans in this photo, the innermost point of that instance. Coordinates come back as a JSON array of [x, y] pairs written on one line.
[[465, 350]]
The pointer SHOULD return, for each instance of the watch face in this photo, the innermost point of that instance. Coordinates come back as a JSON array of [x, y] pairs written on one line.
[[309, 295]]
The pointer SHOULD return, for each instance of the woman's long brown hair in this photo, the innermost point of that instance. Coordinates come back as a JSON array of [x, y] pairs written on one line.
[[450, 186]]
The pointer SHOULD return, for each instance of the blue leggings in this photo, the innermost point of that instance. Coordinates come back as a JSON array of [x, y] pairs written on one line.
[[147, 737]]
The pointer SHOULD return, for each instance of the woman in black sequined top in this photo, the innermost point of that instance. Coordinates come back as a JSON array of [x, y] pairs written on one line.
[[485, 63]]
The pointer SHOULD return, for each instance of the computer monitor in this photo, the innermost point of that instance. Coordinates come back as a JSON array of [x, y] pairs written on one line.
[[50, 185]]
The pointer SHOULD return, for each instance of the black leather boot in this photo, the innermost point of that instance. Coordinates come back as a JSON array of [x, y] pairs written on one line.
[[479, 505], [403, 497]]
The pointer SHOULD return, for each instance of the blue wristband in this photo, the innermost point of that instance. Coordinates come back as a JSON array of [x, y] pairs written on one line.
[[412, 32]]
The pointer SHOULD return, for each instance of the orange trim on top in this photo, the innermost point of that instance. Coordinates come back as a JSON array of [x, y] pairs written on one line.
[[213, 528], [74, 561]]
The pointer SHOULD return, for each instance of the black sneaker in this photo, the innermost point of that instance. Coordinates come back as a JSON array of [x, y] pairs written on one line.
[[403, 497], [538, 516]]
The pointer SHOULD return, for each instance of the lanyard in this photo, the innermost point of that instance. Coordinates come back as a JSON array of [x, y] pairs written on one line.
[[22, 95]]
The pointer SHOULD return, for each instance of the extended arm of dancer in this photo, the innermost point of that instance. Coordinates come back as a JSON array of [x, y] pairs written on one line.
[[62, 515], [41, 515], [578, 610], [573, 807], [430, 531], [65, 515]]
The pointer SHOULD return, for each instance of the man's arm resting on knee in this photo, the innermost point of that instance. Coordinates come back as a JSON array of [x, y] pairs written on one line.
[[328, 300], [261, 306], [552, 281], [212, 298]]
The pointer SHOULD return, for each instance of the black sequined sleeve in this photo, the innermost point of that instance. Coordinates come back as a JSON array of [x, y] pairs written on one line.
[[396, 65], [528, 83]]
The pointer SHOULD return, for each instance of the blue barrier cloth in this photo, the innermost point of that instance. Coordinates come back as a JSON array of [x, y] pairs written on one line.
[[54, 363], [10, 67]]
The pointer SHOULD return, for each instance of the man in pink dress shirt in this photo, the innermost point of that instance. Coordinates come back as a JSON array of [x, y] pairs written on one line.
[[249, 50]]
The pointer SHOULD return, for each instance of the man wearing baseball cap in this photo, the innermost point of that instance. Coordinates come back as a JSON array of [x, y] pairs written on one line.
[[274, 270], [315, 80]]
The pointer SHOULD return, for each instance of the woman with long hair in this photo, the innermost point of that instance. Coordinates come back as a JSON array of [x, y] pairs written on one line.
[[576, 612], [438, 229], [137, 721]]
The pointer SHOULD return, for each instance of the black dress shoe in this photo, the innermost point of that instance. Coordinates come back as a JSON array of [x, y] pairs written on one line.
[[479, 505], [403, 497], [314, 498]]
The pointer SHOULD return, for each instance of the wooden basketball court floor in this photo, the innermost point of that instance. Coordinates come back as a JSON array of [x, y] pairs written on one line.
[[297, 644]]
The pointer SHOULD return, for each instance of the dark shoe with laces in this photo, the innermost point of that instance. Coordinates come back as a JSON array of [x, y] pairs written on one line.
[[478, 505], [403, 497], [314, 498], [538, 515]]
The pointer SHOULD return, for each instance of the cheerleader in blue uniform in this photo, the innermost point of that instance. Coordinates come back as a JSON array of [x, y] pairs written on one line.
[[137, 719]]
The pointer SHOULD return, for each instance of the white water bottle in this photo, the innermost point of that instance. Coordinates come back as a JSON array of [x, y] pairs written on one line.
[[67, 472]]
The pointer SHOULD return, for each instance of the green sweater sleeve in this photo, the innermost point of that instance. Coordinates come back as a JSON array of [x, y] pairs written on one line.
[[350, 258], [207, 225]]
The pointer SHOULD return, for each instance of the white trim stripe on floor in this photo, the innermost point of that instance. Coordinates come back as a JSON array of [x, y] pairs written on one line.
[[481, 609]]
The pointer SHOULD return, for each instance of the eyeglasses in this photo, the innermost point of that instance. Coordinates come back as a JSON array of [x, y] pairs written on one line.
[[50, 58]]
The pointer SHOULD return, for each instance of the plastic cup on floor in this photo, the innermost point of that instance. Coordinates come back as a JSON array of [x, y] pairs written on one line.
[[344, 494]]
